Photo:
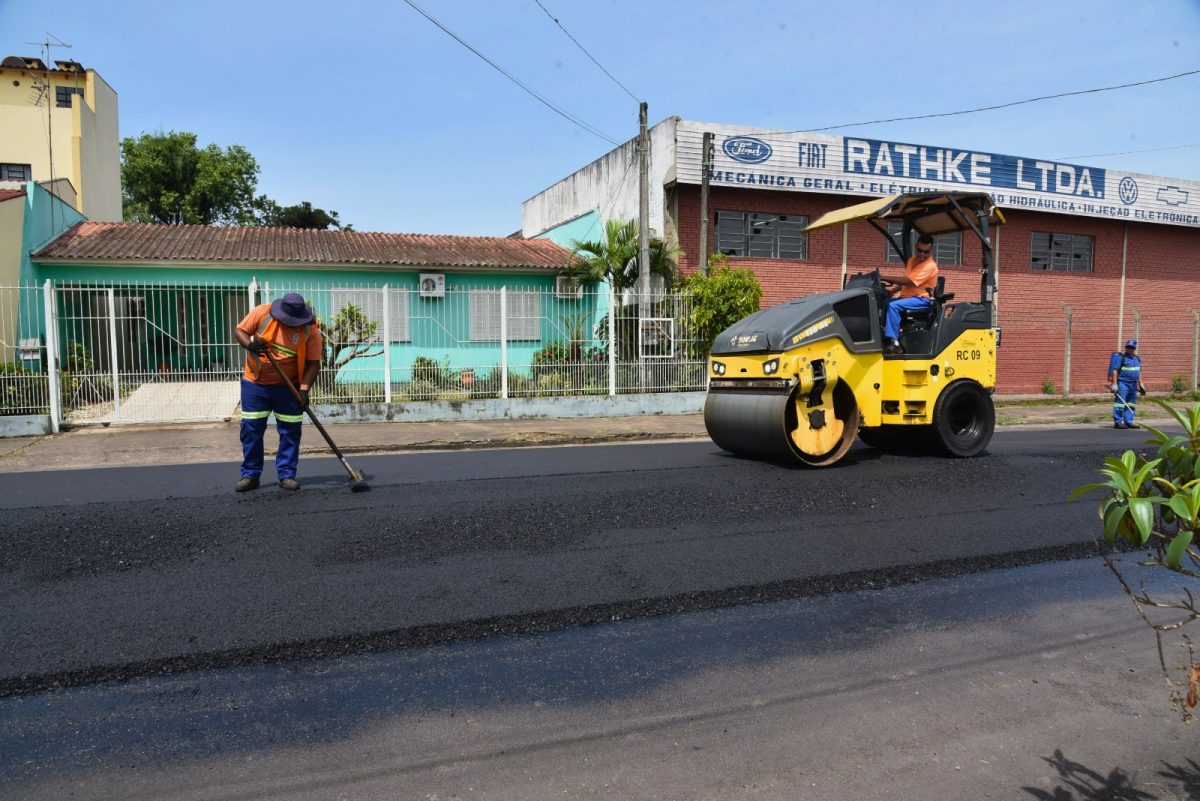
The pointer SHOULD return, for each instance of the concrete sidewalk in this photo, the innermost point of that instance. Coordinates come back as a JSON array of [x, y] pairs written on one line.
[[118, 446]]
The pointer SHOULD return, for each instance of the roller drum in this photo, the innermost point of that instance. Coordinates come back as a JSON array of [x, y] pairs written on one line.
[[749, 423]]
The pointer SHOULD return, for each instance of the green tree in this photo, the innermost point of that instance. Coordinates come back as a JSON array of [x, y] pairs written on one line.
[[166, 178], [719, 298], [303, 215], [349, 334], [1153, 506], [615, 257]]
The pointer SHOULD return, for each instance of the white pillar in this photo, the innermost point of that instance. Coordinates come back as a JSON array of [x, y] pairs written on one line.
[[387, 344], [252, 291], [612, 340], [503, 342], [52, 357], [112, 348]]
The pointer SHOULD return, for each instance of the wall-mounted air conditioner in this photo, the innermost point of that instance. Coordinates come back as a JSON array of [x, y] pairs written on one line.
[[567, 288], [432, 285]]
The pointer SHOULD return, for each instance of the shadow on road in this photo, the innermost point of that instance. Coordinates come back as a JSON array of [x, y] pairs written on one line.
[[1078, 782]]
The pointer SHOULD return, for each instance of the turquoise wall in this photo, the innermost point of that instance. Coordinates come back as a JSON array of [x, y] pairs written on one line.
[[439, 328], [46, 217], [584, 228]]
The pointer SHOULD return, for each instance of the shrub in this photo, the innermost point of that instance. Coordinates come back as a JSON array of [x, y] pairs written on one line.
[[1178, 384], [436, 373], [720, 298], [17, 385], [1153, 506], [1047, 387]]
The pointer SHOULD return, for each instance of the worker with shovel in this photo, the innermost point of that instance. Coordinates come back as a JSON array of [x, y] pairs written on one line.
[[284, 344], [1125, 382]]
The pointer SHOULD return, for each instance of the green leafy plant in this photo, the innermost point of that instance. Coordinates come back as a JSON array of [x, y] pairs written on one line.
[[720, 298], [1153, 505], [348, 335], [1048, 387], [435, 373], [1178, 384], [16, 388]]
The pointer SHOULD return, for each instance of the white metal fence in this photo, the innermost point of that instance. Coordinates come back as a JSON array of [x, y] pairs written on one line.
[[154, 352]]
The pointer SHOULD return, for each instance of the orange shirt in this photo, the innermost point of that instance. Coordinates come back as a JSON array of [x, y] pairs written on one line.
[[923, 274], [285, 335]]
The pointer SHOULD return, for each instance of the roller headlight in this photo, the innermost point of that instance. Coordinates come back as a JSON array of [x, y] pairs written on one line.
[[771, 367], [718, 368]]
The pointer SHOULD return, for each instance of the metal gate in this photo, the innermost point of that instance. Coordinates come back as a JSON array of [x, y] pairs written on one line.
[[148, 353]]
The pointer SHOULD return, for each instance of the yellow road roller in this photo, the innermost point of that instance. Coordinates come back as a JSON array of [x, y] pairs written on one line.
[[800, 380]]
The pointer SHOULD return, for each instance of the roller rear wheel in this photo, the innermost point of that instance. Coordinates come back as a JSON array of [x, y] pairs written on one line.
[[964, 419]]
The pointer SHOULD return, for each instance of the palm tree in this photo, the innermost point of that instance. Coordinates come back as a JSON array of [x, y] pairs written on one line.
[[615, 257]]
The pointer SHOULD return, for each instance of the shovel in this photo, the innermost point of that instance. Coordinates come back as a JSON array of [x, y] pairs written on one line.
[[357, 482]]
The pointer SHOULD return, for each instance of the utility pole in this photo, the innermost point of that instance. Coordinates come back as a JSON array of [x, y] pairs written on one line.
[[643, 234], [705, 169]]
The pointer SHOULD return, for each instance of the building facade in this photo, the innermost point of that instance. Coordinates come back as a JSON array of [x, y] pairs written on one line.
[[1088, 257], [60, 123]]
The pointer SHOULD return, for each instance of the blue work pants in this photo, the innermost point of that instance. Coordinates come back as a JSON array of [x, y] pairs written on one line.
[[258, 402], [891, 328], [1125, 403]]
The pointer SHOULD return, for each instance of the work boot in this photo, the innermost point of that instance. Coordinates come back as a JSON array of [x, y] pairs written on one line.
[[246, 483], [892, 346], [289, 484], [1131, 425]]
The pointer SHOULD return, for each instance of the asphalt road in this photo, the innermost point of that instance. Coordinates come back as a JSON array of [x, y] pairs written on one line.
[[147, 571], [1035, 683]]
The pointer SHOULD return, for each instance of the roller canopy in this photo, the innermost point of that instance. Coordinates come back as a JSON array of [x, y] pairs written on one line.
[[931, 212]]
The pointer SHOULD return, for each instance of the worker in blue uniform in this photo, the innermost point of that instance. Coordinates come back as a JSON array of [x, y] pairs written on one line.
[[1125, 382]]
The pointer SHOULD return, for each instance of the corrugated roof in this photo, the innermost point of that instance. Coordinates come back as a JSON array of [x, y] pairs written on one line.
[[9, 194], [102, 241]]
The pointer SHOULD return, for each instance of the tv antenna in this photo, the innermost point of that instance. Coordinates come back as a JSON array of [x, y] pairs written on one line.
[[43, 86]]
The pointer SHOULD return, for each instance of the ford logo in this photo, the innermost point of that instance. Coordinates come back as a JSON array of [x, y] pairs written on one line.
[[747, 149]]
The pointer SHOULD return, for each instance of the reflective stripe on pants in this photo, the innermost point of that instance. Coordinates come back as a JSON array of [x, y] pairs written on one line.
[[258, 402], [1125, 403]]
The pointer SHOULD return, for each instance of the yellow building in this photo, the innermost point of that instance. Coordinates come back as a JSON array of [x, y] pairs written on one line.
[[61, 123]]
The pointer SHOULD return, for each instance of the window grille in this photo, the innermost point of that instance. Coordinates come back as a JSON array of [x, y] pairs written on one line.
[[1060, 252], [947, 248], [762, 236], [370, 303], [523, 317], [16, 172]]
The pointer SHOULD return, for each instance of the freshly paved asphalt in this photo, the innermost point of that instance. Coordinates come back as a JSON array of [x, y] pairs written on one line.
[[141, 571], [1034, 683]]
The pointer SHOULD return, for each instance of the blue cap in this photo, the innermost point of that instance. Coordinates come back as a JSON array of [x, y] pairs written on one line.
[[1131, 343]]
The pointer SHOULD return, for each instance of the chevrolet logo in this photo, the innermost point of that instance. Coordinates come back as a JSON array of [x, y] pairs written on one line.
[[1172, 196]]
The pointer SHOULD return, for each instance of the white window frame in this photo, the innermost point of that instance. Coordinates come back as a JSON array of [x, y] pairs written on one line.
[[370, 301], [523, 318]]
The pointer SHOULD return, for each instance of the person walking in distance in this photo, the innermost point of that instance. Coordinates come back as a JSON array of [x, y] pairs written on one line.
[[1125, 382], [288, 327]]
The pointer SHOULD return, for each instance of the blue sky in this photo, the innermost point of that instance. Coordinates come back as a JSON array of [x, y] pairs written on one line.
[[368, 109]]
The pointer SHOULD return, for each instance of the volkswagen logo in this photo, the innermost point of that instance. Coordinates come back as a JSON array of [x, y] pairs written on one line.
[[1128, 190]]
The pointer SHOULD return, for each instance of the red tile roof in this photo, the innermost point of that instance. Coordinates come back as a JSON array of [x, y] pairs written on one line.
[[9, 194], [143, 242]]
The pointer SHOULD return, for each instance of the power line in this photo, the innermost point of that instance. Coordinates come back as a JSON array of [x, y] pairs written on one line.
[[585, 52], [1125, 152], [556, 109], [1000, 105]]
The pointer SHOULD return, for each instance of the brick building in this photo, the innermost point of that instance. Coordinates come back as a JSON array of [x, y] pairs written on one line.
[[1088, 257]]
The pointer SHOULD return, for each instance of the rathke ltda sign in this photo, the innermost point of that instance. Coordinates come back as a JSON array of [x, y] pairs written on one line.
[[861, 166]]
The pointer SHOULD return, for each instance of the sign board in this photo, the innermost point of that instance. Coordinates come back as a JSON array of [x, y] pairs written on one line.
[[859, 165]]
